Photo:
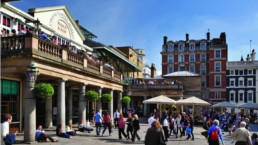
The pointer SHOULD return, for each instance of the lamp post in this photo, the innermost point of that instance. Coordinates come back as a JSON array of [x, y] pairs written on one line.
[[37, 25], [30, 104]]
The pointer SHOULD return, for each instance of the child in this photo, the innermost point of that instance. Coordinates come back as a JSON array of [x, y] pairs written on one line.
[[188, 130]]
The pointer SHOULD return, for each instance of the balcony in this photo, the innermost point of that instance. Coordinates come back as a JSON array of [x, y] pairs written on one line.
[[38, 48], [158, 87]]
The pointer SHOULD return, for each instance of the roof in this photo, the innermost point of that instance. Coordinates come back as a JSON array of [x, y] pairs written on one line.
[[111, 50], [181, 74]]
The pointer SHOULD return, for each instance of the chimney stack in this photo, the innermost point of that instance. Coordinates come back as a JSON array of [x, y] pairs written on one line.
[[165, 40], [186, 37], [208, 36], [153, 71], [223, 38], [253, 55], [77, 22]]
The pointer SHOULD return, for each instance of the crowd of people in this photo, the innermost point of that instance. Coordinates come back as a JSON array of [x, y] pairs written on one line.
[[156, 82], [160, 128]]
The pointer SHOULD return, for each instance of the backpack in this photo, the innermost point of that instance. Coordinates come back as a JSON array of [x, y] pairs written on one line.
[[214, 136]]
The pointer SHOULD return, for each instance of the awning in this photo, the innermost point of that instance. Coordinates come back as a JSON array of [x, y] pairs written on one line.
[[193, 101], [225, 104], [160, 100], [120, 56]]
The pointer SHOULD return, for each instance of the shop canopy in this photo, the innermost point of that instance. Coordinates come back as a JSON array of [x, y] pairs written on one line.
[[193, 101], [249, 106], [160, 100], [225, 104]]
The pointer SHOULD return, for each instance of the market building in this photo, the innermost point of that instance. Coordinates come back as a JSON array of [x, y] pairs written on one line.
[[47, 45], [206, 57]]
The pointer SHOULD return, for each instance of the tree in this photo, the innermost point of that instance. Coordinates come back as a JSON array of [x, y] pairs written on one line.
[[106, 98], [126, 100], [92, 95], [44, 90]]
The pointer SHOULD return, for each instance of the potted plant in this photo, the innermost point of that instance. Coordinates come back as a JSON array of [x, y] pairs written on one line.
[[92, 95], [106, 98]]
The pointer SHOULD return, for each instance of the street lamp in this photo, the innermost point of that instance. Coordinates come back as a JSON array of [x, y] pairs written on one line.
[[32, 72]]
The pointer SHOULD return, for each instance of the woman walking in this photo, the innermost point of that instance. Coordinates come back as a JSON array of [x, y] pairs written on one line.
[[106, 122], [136, 127], [165, 127], [129, 125], [121, 126], [154, 135], [178, 124]]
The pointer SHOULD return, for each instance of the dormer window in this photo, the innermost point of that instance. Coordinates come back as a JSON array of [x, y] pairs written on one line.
[[170, 48], [192, 46], [203, 46], [181, 47]]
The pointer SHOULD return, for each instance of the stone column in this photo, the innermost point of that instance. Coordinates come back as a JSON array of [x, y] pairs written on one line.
[[70, 105], [82, 103], [145, 107], [61, 104], [29, 110], [48, 113], [99, 104], [110, 105], [119, 102]]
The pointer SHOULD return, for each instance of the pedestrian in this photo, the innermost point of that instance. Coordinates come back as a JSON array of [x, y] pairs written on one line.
[[214, 134], [178, 124], [151, 119], [242, 135], [165, 127], [61, 133], [183, 124], [171, 124], [5, 129], [106, 122], [116, 117], [191, 125], [42, 137], [98, 120], [254, 138], [154, 135], [136, 127], [129, 125], [121, 126]]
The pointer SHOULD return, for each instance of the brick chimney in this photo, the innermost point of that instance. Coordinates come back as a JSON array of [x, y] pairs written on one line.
[[165, 40], [208, 36], [223, 38], [153, 70], [186, 37]]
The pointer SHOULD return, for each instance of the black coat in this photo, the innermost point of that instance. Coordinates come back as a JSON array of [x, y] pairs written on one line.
[[154, 137], [136, 124]]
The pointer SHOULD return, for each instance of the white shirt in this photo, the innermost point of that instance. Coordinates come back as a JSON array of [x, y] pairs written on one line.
[[150, 120], [178, 120], [4, 131], [165, 122], [88, 124], [117, 115]]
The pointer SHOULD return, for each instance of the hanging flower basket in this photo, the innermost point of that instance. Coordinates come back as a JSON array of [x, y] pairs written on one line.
[[126, 100], [92, 95], [106, 98], [44, 90]]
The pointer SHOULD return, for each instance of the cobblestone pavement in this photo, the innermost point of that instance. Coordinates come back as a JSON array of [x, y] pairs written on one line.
[[93, 139]]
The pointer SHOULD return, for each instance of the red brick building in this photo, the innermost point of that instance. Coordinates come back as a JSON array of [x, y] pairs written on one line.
[[206, 57]]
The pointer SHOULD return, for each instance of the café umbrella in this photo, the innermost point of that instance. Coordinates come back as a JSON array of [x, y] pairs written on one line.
[[160, 100], [225, 104], [249, 106], [193, 101]]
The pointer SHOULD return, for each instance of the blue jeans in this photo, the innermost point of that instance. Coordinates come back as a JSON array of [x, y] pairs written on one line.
[[98, 127], [63, 134]]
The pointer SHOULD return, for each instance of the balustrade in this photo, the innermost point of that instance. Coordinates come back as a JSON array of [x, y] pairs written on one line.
[[107, 70], [73, 57], [12, 43], [49, 48], [93, 64]]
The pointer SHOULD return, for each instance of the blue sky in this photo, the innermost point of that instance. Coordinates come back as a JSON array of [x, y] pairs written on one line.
[[143, 23]]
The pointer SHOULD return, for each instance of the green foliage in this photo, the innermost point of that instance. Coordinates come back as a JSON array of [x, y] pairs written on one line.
[[126, 99], [106, 98], [44, 90], [92, 95]]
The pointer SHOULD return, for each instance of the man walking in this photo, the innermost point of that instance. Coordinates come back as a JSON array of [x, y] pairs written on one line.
[[98, 120], [151, 119], [116, 118]]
